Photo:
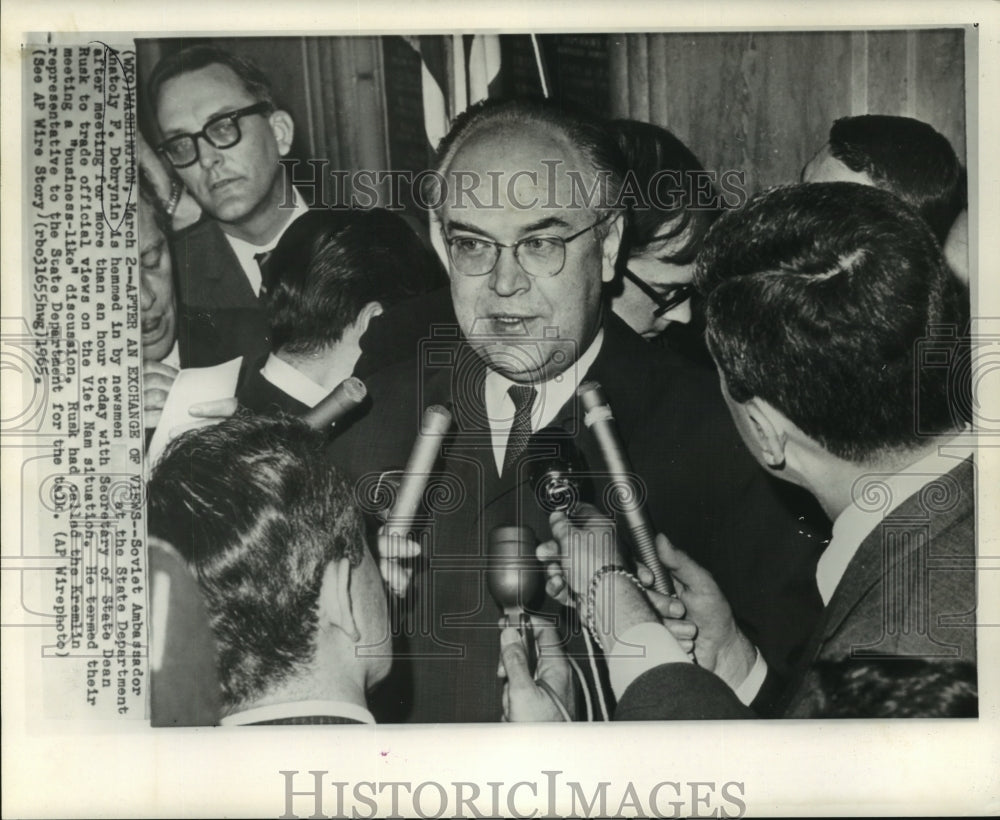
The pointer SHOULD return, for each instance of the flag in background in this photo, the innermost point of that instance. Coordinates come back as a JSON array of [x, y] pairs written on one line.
[[458, 71]]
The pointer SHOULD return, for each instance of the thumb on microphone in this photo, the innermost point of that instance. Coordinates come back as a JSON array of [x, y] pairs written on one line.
[[682, 567], [514, 659]]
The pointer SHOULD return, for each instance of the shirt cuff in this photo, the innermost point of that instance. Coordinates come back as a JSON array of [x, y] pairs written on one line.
[[642, 647], [748, 690]]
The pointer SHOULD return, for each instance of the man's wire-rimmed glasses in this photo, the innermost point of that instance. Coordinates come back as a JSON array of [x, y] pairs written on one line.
[[541, 256]]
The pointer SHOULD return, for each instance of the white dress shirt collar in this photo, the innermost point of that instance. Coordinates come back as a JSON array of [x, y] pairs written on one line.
[[301, 708], [246, 251], [293, 382], [550, 399], [875, 496]]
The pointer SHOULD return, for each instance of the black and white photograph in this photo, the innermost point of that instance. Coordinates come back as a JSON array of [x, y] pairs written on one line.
[[571, 420]]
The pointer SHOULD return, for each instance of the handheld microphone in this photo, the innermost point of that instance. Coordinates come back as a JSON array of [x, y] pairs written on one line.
[[433, 427], [600, 420], [514, 579], [338, 403]]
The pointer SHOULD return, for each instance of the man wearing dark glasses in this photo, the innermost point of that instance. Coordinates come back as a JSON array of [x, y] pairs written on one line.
[[223, 136]]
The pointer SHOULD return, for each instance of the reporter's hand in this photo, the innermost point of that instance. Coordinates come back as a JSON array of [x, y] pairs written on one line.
[[393, 549], [578, 549], [207, 412], [157, 379], [719, 644], [523, 700], [672, 614]]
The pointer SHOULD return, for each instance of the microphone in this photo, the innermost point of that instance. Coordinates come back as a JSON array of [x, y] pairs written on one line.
[[600, 420], [560, 481], [338, 403], [514, 579], [433, 427]]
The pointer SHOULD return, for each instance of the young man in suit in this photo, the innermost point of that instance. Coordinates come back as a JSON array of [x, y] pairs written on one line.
[[276, 542], [844, 390], [528, 253], [335, 272], [224, 135]]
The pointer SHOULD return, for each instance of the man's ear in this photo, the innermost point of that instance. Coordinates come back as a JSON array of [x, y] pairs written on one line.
[[609, 248], [283, 128], [365, 315], [437, 239], [767, 426], [335, 599]]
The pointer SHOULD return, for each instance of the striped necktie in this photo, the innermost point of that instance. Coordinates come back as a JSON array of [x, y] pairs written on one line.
[[523, 397], [266, 275]]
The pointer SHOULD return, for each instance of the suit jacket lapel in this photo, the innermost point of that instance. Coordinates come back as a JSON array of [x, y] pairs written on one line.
[[870, 563]]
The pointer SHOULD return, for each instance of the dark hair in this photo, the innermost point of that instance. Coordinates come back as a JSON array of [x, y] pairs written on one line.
[[586, 134], [907, 157], [818, 297], [897, 688], [258, 514], [666, 174], [193, 58], [330, 264], [148, 198]]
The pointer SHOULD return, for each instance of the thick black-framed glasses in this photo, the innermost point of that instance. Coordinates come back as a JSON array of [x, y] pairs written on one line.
[[677, 294], [222, 131], [540, 256]]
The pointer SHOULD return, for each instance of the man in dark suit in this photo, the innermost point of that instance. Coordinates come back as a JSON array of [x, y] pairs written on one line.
[[224, 135], [334, 272], [527, 258], [844, 392], [278, 548]]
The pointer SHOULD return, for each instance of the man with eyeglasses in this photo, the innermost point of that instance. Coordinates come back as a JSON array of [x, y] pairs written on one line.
[[525, 217], [667, 222], [223, 136]]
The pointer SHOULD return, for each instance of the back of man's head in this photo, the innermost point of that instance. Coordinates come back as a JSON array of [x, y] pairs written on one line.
[[907, 157], [818, 299], [258, 515], [192, 58], [330, 264]]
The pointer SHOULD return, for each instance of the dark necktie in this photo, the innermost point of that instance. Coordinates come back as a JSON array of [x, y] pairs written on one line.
[[523, 397], [266, 275]]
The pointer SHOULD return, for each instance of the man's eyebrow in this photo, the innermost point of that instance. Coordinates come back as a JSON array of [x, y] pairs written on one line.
[[542, 224], [226, 109], [454, 225]]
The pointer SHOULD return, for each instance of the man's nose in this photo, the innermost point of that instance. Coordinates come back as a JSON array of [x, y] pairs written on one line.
[[146, 296], [680, 314], [508, 277], [208, 154]]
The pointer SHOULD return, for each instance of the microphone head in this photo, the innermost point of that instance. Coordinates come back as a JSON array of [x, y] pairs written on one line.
[[354, 389], [514, 575], [560, 482], [591, 394], [337, 404], [436, 420]]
